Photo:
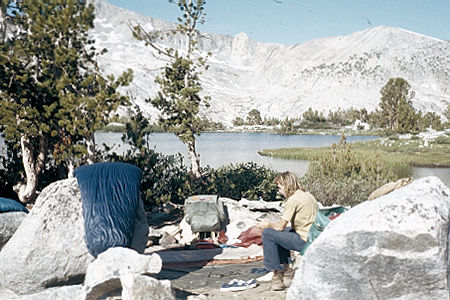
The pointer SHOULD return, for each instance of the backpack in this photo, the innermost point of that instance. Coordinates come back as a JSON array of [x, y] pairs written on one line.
[[204, 213], [323, 218]]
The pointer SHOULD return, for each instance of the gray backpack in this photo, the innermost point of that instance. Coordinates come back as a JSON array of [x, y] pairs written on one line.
[[205, 213]]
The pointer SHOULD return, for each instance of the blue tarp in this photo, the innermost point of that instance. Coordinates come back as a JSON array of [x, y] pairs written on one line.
[[110, 195], [7, 205]]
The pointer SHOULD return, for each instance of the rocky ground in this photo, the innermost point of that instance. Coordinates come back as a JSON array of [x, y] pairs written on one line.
[[205, 282]]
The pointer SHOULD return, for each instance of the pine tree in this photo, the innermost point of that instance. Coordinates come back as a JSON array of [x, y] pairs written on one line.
[[254, 117], [179, 99], [430, 119], [50, 85], [447, 115], [397, 112]]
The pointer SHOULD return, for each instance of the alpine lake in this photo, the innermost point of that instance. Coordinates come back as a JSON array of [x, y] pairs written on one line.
[[217, 149]]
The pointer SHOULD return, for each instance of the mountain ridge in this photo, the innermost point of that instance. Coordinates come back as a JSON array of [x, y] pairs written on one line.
[[280, 80]]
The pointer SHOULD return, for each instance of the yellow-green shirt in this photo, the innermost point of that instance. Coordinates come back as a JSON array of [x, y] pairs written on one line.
[[301, 210]]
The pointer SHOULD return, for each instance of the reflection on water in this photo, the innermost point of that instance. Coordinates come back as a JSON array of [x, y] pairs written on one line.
[[442, 173], [419, 172], [218, 149]]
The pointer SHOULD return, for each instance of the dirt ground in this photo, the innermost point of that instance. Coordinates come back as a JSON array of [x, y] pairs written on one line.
[[204, 282]]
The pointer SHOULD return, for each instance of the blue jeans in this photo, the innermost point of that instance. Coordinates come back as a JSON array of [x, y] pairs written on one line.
[[276, 246]]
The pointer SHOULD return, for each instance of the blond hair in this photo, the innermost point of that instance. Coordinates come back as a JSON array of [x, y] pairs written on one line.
[[289, 182]]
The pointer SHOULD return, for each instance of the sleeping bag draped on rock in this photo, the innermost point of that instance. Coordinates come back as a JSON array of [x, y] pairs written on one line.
[[9, 205], [110, 197]]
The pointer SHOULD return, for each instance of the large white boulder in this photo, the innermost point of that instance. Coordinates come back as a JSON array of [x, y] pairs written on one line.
[[9, 222], [48, 249], [394, 247], [103, 276]]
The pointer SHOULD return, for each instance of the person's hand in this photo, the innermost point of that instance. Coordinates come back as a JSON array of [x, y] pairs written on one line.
[[263, 224]]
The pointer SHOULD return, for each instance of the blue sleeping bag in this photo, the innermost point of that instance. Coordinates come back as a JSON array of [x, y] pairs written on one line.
[[110, 197], [8, 205]]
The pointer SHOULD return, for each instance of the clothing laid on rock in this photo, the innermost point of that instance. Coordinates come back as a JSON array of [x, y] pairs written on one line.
[[389, 187], [253, 235]]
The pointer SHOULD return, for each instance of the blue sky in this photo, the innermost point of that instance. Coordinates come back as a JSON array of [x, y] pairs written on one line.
[[296, 21]]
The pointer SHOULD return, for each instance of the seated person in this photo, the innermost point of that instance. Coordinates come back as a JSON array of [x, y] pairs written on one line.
[[300, 210]]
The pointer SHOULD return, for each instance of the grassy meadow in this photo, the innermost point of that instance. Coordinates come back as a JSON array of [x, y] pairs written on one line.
[[395, 151]]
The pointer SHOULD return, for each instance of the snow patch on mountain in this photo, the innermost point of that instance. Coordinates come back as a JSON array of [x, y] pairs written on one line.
[[278, 80]]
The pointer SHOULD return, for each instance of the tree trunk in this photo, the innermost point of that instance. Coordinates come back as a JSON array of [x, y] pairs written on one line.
[[195, 161], [70, 168], [26, 191], [90, 145], [3, 25]]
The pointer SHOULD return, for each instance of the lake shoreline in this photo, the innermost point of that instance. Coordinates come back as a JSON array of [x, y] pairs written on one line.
[[425, 151]]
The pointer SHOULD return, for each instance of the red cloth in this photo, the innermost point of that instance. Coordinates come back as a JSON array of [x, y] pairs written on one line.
[[253, 235], [222, 238]]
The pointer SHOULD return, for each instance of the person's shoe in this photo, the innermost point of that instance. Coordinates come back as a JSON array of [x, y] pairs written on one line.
[[238, 285], [265, 278], [277, 281], [288, 275]]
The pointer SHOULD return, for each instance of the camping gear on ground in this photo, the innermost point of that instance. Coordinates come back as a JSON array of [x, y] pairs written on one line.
[[238, 285], [205, 214], [8, 205], [110, 198], [324, 216]]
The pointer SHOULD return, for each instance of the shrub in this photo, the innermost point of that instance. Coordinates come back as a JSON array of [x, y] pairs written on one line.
[[244, 180], [442, 140], [343, 178], [394, 138]]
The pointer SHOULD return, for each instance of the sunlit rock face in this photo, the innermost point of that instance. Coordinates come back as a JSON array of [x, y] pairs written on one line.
[[279, 80], [393, 247]]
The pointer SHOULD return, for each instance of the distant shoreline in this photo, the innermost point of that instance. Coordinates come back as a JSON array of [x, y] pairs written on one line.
[[416, 152]]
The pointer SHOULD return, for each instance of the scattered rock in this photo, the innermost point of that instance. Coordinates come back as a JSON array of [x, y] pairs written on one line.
[[261, 205], [103, 276], [139, 287], [167, 239], [392, 247], [9, 222], [65, 292]]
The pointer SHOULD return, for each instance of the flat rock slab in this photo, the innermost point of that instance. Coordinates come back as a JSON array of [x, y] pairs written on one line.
[[206, 282]]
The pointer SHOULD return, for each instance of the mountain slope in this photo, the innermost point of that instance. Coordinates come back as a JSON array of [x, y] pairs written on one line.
[[283, 81]]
